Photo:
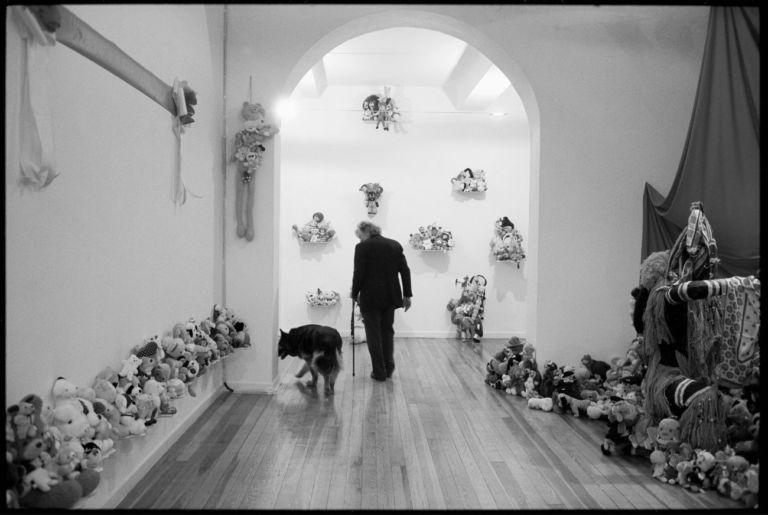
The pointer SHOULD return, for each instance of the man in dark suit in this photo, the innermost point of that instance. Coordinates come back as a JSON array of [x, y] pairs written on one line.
[[376, 288]]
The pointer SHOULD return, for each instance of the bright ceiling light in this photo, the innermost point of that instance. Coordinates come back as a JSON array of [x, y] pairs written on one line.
[[286, 109]]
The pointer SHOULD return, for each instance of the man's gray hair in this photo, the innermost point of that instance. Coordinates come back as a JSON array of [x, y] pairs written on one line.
[[369, 228]]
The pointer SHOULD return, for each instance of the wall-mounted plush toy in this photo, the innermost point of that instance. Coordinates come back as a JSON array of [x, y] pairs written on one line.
[[432, 237], [317, 230], [322, 299], [507, 242], [249, 154], [469, 180], [372, 192], [380, 108]]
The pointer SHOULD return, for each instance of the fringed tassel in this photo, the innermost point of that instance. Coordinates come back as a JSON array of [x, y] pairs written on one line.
[[702, 424], [704, 324], [656, 402]]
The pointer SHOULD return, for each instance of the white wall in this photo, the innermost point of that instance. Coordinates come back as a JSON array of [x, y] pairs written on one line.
[[101, 258], [608, 91], [328, 153]]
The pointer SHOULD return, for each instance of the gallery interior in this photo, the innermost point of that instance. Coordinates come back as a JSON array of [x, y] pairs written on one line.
[[576, 189]]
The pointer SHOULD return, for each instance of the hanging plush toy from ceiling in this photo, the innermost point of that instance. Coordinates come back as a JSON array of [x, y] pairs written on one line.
[[249, 150], [381, 108], [700, 334]]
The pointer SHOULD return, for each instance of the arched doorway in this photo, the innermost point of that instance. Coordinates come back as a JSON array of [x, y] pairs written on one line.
[[344, 208]]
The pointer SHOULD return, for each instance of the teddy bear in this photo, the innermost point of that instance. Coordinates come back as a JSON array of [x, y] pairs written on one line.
[[70, 421], [21, 416], [130, 367], [540, 403], [249, 154]]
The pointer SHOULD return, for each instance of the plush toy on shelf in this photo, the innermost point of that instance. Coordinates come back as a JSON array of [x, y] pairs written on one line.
[[249, 154], [432, 237], [468, 311], [372, 191], [317, 230], [507, 242], [468, 181]]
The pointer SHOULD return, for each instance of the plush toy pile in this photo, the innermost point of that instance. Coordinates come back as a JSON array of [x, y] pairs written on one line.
[[686, 392], [469, 180], [507, 243], [468, 310], [322, 299], [317, 230], [54, 451], [431, 237]]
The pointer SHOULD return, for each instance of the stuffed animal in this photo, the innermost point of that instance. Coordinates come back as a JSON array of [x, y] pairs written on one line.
[[540, 403], [249, 155], [70, 421], [668, 435], [21, 416], [130, 367], [596, 367], [150, 353], [547, 387], [575, 406], [658, 463], [372, 192], [63, 390], [622, 417]]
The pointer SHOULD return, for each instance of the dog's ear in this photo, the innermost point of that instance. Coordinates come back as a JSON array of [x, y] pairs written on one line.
[[282, 333]]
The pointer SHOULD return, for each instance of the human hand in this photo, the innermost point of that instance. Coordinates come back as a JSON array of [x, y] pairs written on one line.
[[407, 303]]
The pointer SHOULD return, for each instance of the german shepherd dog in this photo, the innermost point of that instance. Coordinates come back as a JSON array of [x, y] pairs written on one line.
[[320, 348]]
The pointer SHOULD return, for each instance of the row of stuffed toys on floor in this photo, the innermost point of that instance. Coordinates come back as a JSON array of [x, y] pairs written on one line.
[[612, 392], [686, 393], [55, 451]]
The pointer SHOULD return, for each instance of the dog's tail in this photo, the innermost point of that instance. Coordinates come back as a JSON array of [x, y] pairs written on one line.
[[329, 362]]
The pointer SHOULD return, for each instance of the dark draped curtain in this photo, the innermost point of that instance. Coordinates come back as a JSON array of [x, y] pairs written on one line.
[[720, 165]]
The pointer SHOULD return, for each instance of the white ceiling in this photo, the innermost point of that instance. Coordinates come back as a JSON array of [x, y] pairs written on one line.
[[416, 58]]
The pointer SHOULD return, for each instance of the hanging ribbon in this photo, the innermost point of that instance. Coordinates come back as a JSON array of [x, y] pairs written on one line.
[[36, 150], [183, 118]]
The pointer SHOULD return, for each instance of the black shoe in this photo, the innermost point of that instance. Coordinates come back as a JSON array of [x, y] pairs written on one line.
[[376, 378], [389, 372]]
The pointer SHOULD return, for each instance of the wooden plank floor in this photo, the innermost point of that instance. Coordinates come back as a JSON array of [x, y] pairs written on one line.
[[433, 437]]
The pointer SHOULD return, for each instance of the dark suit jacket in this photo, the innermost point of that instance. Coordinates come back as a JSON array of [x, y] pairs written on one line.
[[378, 261]]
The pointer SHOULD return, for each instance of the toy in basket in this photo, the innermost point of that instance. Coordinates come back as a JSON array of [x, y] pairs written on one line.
[[317, 230], [469, 181], [432, 237], [322, 299]]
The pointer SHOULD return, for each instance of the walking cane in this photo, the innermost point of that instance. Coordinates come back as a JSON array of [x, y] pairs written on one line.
[[352, 327]]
